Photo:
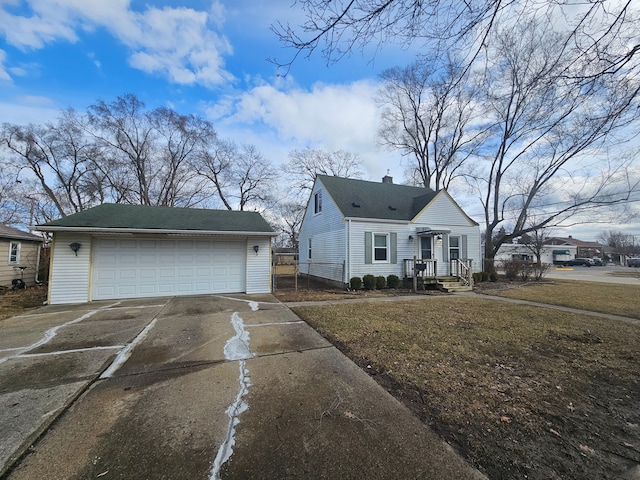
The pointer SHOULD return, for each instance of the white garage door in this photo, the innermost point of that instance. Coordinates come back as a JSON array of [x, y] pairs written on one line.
[[135, 268]]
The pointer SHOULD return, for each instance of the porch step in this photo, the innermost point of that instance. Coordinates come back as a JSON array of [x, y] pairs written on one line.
[[453, 285]]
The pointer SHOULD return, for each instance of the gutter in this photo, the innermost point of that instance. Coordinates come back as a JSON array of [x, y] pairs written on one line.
[[378, 220], [153, 230]]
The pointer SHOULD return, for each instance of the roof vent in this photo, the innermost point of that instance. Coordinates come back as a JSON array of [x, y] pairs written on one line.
[[354, 204], [387, 178], [392, 208]]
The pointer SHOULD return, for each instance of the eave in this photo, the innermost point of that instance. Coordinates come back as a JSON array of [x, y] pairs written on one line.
[[156, 231]]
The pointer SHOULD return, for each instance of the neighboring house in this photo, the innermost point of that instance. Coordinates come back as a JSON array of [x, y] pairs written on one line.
[[352, 228], [21, 252], [583, 249], [115, 251], [550, 254]]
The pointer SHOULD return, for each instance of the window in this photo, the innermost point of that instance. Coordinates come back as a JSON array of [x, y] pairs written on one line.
[[425, 248], [380, 247], [317, 202], [14, 252], [309, 245], [454, 247]]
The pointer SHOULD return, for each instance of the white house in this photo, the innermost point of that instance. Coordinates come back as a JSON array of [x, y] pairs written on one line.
[[352, 228], [549, 254], [115, 251]]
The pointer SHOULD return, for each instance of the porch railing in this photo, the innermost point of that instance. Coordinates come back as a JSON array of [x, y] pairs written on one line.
[[461, 268], [423, 268]]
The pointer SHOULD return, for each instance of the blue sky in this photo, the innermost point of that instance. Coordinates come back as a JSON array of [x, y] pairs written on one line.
[[196, 56], [199, 56]]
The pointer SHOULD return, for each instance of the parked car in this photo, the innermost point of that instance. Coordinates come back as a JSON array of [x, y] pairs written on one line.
[[597, 262], [584, 262], [633, 262]]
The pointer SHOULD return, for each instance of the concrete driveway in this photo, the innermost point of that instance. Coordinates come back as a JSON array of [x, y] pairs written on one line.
[[233, 387]]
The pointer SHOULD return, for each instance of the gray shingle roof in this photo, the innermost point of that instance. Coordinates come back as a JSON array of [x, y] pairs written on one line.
[[388, 201], [142, 217], [13, 233]]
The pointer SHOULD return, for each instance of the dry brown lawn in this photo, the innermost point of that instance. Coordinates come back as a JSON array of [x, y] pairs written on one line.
[[520, 391], [611, 298], [15, 302]]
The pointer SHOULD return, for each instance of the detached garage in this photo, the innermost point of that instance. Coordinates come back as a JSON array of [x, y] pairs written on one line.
[[130, 251]]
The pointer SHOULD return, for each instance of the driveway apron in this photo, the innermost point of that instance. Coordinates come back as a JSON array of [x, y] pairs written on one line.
[[207, 387]]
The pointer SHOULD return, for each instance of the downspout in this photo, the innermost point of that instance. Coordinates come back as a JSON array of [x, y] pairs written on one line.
[[348, 253], [37, 276]]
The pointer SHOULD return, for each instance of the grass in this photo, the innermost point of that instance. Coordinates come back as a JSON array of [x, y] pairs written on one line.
[[519, 390], [597, 297]]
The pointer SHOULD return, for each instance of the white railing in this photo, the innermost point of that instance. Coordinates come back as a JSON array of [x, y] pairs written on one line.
[[426, 268], [461, 268]]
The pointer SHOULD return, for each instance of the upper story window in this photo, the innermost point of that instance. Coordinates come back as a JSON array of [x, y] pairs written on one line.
[[380, 247], [317, 202], [14, 252]]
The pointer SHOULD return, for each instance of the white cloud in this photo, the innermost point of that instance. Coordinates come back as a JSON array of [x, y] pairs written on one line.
[[177, 43], [29, 109], [328, 117], [4, 75]]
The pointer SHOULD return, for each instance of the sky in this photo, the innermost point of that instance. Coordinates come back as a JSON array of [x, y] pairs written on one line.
[[204, 57]]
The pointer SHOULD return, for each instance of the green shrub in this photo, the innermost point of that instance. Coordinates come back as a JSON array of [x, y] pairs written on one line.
[[477, 277], [355, 283], [393, 281], [493, 276], [381, 282], [485, 276], [369, 282]]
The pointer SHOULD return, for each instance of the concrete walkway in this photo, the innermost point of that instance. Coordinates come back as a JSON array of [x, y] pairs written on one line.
[[208, 387]]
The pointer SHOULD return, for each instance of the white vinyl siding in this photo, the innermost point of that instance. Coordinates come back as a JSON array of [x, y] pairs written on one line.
[[326, 233], [69, 273], [258, 269], [131, 267]]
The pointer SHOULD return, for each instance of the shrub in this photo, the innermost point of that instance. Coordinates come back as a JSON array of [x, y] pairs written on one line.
[[477, 277], [381, 282], [393, 281], [511, 269], [369, 282], [493, 276], [485, 276], [355, 283]]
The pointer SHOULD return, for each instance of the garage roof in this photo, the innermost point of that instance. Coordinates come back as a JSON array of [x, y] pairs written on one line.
[[110, 217]]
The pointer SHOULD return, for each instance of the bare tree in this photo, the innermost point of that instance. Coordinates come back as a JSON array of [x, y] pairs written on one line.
[[180, 139], [545, 153], [622, 243], [602, 33], [126, 135], [427, 110], [60, 157], [241, 176], [304, 165], [561, 87], [287, 218]]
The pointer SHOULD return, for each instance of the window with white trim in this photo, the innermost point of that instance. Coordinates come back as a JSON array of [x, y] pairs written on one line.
[[317, 202], [309, 246], [454, 247], [14, 253], [380, 247]]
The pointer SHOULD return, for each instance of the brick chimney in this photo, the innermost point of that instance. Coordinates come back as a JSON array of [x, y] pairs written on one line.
[[387, 178]]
